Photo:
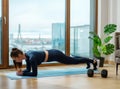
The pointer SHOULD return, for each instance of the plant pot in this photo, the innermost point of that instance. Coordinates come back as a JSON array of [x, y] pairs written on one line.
[[102, 59]]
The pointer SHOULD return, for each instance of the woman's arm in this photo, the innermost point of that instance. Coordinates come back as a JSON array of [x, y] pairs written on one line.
[[33, 64], [28, 66]]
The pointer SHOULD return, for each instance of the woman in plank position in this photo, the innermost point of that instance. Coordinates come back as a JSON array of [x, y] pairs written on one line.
[[35, 58]]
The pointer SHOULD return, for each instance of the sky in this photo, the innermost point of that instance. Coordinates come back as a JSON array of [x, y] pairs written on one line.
[[35, 15]]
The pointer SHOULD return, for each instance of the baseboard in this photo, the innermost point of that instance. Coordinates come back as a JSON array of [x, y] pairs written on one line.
[[110, 62], [59, 64]]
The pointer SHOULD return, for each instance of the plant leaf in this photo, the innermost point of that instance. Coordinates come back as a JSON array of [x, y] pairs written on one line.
[[96, 52], [108, 49], [96, 39], [107, 39], [110, 28]]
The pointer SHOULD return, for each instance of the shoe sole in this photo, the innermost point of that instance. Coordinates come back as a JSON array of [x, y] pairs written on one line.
[[98, 64]]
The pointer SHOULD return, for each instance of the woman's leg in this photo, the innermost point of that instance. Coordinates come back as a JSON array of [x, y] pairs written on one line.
[[84, 58], [73, 60], [56, 55], [78, 60]]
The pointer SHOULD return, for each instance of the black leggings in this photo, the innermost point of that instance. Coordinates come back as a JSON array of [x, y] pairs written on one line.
[[56, 55]]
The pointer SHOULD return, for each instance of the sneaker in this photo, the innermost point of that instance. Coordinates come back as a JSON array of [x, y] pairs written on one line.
[[98, 64], [91, 66], [88, 66], [95, 64]]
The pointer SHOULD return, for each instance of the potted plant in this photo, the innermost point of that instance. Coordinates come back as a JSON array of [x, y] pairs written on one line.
[[103, 46]]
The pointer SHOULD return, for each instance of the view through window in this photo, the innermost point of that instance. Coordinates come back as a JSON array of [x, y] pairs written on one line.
[[36, 25], [40, 25], [80, 28]]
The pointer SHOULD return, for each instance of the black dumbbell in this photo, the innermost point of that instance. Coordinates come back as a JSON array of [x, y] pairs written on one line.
[[90, 72], [104, 73]]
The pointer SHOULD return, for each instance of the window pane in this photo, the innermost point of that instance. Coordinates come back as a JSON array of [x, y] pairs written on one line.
[[80, 27], [37, 24], [0, 29]]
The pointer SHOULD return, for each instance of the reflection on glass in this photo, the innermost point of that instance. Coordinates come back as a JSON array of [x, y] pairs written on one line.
[[80, 27], [37, 24], [0, 29]]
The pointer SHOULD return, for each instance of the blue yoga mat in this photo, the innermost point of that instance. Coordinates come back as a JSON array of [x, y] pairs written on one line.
[[51, 73]]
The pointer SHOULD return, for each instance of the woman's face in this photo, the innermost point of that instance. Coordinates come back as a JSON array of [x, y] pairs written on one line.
[[19, 58]]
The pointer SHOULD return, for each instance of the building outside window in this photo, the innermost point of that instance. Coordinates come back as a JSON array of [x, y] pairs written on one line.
[[36, 25], [41, 25]]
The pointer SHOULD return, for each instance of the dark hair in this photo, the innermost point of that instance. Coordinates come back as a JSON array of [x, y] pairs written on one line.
[[14, 53]]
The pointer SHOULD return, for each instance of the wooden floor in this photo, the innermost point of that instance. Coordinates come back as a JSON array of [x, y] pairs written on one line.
[[80, 81]]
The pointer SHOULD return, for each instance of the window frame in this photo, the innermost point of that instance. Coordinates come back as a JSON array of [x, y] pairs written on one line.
[[5, 31]]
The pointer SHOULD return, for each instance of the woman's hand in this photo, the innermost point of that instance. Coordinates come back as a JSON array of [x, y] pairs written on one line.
[[19, 72]]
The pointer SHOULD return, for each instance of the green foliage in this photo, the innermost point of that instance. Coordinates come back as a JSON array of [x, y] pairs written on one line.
[[103, 46], [110, 28]]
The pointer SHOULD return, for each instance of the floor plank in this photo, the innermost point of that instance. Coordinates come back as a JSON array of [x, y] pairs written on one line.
[[80, 81]]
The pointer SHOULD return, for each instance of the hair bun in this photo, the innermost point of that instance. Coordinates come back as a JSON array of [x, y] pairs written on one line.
[[13, 49]]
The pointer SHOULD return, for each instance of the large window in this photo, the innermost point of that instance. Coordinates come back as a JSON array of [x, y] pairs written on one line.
[[44, 24], [0, 30], [36, 24], [80, 27]]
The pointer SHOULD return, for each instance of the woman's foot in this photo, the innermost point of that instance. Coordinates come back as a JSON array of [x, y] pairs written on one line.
[[95, 64], [88, 66]]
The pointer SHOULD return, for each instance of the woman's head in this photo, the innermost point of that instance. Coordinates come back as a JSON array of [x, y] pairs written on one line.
[[15, 52], [17, 56]]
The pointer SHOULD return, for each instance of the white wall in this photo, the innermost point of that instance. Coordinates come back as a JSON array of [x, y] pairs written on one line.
[[102, 15], [108, 12], [118, 15]]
